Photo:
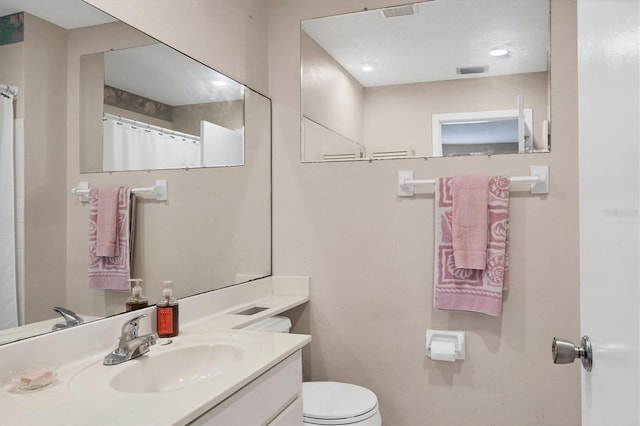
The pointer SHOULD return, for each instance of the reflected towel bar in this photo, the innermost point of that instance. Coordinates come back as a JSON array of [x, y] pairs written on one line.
[[159, 190], [539, 181]]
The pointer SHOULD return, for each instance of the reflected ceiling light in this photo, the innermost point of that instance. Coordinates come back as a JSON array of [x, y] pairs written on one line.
[[499, 52], [219, 83], [369, 66]]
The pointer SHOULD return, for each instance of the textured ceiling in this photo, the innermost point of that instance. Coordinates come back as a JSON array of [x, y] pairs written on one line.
[[441, 36], [166, 75]]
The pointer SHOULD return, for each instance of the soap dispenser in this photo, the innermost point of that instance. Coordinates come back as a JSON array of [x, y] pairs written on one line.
[[167, 313], [137, 300]]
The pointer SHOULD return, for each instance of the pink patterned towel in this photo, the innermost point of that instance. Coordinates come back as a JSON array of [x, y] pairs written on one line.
[[111, 272], [107, 222], [472, 289], [469, 227]]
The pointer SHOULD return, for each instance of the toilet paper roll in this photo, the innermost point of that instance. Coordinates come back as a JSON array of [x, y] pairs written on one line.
[[443, 351]]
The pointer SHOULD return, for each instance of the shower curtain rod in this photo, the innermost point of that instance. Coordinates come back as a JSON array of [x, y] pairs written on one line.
[[148, 126], [10, 90]]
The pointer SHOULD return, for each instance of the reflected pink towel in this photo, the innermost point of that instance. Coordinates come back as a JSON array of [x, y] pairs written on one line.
[[472, 289], [110, 272], [469, 227], [107, 222]]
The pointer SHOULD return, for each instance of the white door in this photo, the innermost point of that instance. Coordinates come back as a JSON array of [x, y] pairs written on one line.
[[609, 117]]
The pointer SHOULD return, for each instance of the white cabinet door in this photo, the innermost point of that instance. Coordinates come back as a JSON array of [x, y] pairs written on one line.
[[262, 400], [609, 124]]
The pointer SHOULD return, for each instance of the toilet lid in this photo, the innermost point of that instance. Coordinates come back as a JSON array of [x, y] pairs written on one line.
[[334, 400]]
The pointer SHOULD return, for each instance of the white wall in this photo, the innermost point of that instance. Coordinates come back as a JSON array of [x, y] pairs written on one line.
[[209, 230], [401, 115], [45, 137], [370, 256], [227, 35], [331, 98]]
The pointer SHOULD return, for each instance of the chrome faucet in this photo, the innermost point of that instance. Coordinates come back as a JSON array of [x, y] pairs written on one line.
[[131, 345], [72, 319]]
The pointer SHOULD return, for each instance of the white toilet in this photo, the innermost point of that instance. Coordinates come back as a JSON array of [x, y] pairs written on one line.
[[329, 403]]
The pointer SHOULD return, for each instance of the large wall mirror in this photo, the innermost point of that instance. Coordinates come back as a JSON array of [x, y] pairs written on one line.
[[151, 107], [428, 79], [68, 60]]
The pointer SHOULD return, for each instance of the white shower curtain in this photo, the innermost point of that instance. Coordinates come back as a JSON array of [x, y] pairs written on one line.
[[8, 275], [130, 147]]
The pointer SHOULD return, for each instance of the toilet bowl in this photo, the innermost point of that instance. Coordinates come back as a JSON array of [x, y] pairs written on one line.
[[334, 403], [329, 403]]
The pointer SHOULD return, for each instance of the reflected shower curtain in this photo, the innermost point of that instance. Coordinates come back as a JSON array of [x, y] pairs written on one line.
[[8, 278], [128, 147]]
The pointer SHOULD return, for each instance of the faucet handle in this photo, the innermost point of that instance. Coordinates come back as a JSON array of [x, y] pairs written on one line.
[[71, 318], [130, 345], [130, 329]]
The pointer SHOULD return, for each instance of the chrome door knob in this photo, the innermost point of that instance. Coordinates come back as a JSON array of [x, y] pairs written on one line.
[[564, 352]]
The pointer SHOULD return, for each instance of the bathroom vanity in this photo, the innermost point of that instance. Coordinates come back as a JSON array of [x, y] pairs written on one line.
[[213, 373], [273, 399]]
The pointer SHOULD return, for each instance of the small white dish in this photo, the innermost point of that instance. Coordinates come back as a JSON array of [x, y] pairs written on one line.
[[34, 377]]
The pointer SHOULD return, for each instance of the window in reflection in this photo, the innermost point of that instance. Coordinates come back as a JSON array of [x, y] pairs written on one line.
[[482, 133]]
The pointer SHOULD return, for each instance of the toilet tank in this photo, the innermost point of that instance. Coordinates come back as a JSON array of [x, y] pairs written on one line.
[[276, 324]]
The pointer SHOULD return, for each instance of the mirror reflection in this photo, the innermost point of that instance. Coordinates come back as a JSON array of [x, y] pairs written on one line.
[[215, 228], [398, 82], [159, 109]]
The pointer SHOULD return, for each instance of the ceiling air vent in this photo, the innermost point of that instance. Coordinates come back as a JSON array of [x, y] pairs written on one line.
[[394, 12], [472, 70]]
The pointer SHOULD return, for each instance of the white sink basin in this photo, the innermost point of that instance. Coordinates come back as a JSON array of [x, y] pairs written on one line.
[[188, 361]]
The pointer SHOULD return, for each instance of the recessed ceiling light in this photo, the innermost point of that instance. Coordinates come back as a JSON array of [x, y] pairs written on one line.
[[368, 66], [499, 52]]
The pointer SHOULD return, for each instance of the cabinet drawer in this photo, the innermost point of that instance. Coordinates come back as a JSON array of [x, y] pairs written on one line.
[[262, 400], [291, 416]]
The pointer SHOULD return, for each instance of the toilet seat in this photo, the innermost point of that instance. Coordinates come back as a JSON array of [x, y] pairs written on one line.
[[334, 403]]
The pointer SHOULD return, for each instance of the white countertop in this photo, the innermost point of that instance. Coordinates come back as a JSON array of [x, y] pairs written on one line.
[[61, 403]]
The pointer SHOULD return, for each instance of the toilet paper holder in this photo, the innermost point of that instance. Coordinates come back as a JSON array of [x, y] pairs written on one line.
[[445, 340]]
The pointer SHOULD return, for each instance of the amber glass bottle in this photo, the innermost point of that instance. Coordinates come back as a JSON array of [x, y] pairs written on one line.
[[167, 317], [137, 300]]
